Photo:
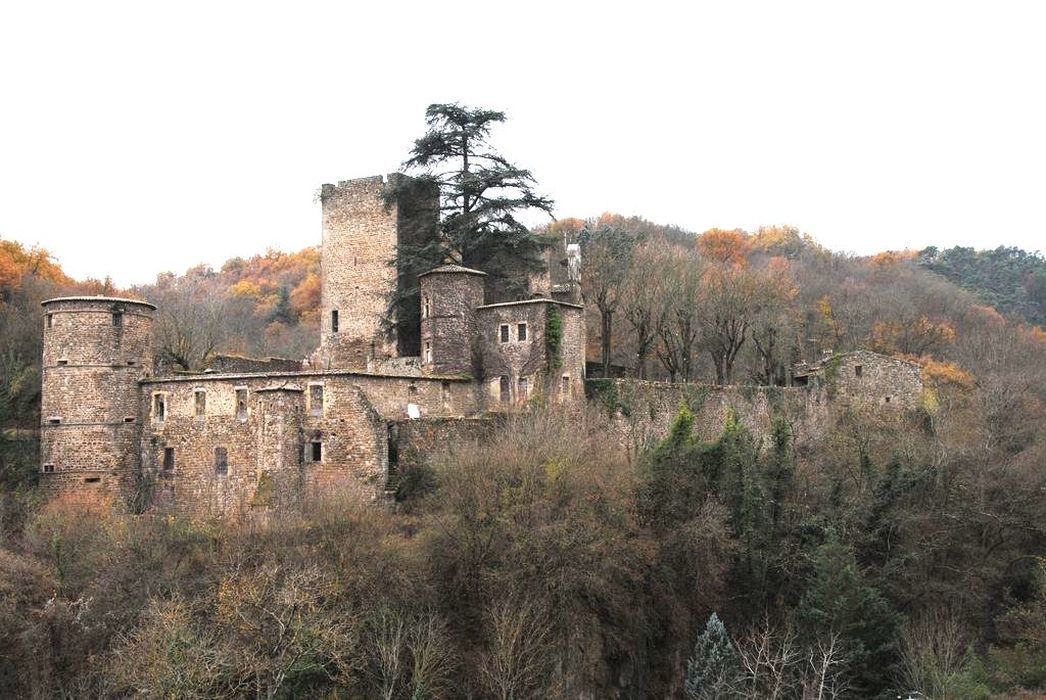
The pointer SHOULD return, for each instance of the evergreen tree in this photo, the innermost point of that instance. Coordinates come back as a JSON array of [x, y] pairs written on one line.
[[481, 194], [840, 601], [712, 670]]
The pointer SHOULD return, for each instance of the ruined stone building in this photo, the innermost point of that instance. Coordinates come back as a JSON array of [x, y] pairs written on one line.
[[864, 379], [261, 434]]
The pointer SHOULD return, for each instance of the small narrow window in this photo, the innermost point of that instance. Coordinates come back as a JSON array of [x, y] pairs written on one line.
[[128, 419], [564, 386], [887, 399], [63, 362], [504, 332], [201, 404], [241, 404], [221, 461], [521, 331], [159, 407], [118, 318], [93, 480], [334, 321], [54, 420], [50, 320], [425, 308], [503, 387], [392, 442], [316, 400], [132, 363], [168, 459], [48, 469], [858, 370], [316, 451], [524, 387], [428, 351]]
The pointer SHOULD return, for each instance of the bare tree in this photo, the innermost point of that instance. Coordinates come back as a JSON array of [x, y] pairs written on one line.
[[825, 670], [388, 640], [607, 245], [642, 299], [431, 655], [678, 324], [190, 319], [770, 661], [519, 644]]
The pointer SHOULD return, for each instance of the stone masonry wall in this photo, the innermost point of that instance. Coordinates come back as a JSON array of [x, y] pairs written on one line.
[[349, 423], [642, 411], [868, 380]]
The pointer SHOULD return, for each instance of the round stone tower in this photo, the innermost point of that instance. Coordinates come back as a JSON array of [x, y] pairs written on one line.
[[95, 351], [449, 297]]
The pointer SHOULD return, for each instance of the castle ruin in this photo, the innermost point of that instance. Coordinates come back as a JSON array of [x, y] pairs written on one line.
[[261, 434]]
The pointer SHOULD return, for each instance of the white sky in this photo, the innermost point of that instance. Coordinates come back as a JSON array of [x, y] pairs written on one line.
[[140, 137]]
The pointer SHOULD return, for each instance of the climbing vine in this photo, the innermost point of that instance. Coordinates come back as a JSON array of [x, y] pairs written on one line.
[[553, 337]]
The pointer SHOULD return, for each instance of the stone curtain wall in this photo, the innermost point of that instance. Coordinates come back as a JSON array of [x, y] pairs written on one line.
[[417, 441], [642, 411], [230, 364], [95, 350]]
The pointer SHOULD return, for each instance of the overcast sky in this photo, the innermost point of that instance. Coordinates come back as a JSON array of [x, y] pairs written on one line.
[[141, 137]]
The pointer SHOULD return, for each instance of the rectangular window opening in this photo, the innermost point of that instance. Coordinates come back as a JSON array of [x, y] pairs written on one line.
[[221, 461], [118, 318], [54, 420], [334, 321], [63, 362], [201, 403], [93, 480], [48, 469], [503, 387], [426, 308], [504, 332], [428, 351], [565, 384], [128, 419], [316, 451], [316, 400], [858, 370], [241, 404], [159, 407], [50, 320], [521, 331], [168, 459]]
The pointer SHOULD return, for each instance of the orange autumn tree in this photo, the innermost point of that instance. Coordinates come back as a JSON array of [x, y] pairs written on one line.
[[17, 262], [722, 246], [920, 337]]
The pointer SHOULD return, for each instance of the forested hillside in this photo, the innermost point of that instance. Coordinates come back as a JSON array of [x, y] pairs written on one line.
[[893, 555], [1010, 279]]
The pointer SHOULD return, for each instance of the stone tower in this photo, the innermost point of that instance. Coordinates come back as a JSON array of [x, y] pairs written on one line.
[[450, 295], [361, 234], [95, 351]]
